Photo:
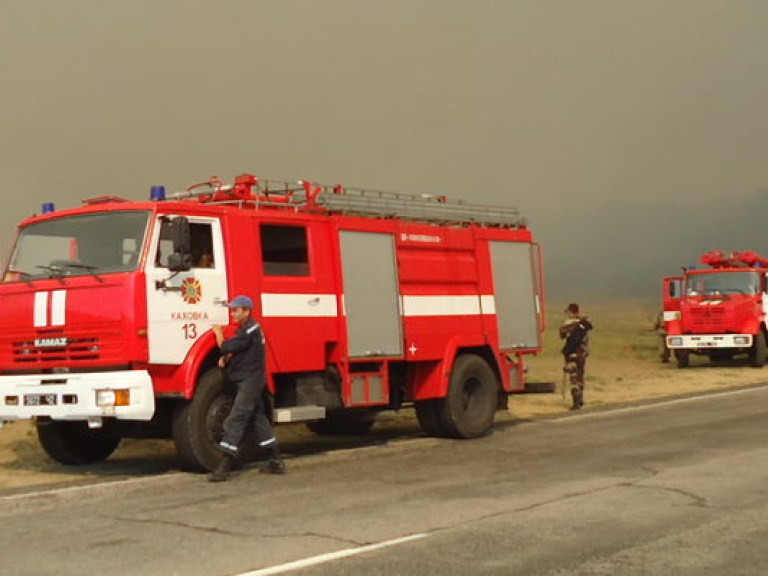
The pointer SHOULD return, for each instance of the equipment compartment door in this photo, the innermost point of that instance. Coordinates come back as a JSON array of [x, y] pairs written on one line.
[[371, 295], [518, 301]]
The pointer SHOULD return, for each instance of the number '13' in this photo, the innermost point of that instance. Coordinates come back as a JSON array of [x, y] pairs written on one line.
[[190, 331]]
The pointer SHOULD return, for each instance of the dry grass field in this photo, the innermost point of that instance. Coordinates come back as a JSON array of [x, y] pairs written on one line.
[[623, 367], [624, 364]]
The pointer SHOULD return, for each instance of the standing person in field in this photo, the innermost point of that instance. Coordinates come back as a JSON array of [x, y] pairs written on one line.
[[243, 356], [575, 331], [661, 329]]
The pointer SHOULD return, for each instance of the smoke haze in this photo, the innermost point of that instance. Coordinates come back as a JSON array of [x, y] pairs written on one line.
[[632, 134]]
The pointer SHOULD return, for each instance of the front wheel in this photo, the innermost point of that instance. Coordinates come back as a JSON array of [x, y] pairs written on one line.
[[75, 443], [683, 358], [758, 353], [198, 425]]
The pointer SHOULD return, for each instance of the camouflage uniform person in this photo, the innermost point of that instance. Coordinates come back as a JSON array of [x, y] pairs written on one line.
[[661, 329], [575, 331]]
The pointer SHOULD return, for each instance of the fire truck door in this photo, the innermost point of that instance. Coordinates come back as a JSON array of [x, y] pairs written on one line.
[[672, 294], [517, 298], [182, 306], [371, 295]]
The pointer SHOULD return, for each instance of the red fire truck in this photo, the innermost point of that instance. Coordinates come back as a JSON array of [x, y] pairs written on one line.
[[369, 301], [718, 311]]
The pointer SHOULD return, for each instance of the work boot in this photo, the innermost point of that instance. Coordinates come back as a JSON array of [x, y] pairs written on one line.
[[221, 473], [577, 398], [274, 466]]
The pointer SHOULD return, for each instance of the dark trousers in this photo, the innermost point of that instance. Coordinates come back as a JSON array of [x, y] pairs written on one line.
[[248, 406]]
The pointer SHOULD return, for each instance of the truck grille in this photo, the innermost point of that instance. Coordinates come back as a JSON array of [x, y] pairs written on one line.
[[76, 349], [707, 317]]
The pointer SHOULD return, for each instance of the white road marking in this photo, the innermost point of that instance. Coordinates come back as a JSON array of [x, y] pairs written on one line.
[[331, 556], [91, 487]]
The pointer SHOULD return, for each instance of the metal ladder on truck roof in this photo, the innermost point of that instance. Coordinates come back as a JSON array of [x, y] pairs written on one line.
[[424, 207], [310, 197]]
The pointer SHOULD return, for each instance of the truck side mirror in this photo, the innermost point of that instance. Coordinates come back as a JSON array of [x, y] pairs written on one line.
[[181, 259]]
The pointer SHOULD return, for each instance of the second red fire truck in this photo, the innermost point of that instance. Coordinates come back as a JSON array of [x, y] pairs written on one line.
[[369, 301], [718, 311]]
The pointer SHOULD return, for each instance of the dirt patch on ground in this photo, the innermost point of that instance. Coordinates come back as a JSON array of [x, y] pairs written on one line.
[[624, 367]]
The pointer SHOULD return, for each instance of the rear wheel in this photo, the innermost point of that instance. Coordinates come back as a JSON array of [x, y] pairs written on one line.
[[198, 425], [468, 409], [429, 419], [76, 443], [343, 423]]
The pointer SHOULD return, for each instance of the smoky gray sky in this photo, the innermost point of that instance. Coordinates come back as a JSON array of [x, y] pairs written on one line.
[[632, 134]]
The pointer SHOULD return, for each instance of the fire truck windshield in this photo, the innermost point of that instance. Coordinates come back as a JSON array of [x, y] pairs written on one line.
[[720, 283], [87, 244]]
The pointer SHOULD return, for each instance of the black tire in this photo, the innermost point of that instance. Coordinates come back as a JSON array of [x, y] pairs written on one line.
[[683, 358], [343, 424], [198, 425], [429, 419], [757, 355], [468, 409], [73, 443]]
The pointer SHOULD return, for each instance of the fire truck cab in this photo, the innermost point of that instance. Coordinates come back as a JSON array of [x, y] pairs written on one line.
[[718, 311], [369, 301]]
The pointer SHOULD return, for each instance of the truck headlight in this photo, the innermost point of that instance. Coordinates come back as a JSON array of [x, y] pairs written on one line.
[[741, 340], [120, 397], [674, 341]]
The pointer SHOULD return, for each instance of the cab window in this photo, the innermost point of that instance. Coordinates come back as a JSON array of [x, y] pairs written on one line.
[[201, 245]]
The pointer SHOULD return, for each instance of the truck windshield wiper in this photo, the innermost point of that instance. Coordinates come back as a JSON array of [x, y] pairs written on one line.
[[78, 265], [56, 267]]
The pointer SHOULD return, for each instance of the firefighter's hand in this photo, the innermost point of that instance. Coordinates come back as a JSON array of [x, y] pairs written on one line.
[[218, 332], [223, 361]]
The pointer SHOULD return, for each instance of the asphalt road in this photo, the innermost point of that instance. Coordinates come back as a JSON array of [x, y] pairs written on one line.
[[673, 488]]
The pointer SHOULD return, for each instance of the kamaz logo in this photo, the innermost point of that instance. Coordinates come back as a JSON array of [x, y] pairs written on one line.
[[51, 342]]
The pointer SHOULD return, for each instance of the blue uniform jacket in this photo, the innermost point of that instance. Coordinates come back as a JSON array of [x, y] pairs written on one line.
[[247, 349]]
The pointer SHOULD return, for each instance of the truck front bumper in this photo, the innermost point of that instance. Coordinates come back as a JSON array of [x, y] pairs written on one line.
[[125, 395], [708, 341]]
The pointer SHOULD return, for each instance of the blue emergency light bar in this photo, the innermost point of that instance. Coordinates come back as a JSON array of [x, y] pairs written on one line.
[[157, 193]]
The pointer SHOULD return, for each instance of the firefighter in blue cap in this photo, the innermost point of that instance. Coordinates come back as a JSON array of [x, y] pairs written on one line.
[[243, 356]]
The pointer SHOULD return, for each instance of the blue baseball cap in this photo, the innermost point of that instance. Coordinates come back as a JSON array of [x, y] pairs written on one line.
[[241, 302]]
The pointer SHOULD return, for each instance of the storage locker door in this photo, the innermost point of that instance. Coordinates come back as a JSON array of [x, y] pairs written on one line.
[[515, 274], [371, 295]]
